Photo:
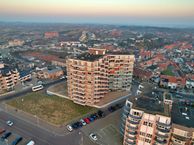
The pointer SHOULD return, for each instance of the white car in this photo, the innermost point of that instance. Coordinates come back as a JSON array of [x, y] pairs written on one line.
[[69, 128], [9, 123], [83, 122], [63, 77], [93, 137]]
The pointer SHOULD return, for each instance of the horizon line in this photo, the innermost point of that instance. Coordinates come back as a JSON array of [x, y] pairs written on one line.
[[179, 26]]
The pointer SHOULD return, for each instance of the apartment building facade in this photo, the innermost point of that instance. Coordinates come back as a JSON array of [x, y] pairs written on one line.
[[92, 75], [8, 79], [142, 128]]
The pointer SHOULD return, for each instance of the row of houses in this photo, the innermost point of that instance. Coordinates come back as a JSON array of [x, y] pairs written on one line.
[[9, 78]]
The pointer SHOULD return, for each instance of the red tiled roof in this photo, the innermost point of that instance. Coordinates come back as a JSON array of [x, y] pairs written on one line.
[[45, 57], [174, 79], [142, 73]]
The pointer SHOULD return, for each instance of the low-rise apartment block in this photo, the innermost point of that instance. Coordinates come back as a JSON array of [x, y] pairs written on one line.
[[8, 79], [92, 75], [50, 73]]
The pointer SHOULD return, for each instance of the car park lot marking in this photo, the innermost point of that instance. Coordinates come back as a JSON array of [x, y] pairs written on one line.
[[109, 135]]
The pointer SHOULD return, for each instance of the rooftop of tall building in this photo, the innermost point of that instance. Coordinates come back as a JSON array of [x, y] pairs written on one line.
[[150, 105], [93, 57]]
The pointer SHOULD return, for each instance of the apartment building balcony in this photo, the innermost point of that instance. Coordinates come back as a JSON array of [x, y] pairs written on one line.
[[78, 83], [160, 141], [131, 137], [133, 122], [130, 142], [162, 135], [132, 127], [79, 102], [164, 130], [80, 92], [180, 138], [132, 132], [134, 117], [164, 124]]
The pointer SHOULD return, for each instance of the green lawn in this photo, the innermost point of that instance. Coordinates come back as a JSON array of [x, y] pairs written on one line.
[[167, 72], [53, 109]]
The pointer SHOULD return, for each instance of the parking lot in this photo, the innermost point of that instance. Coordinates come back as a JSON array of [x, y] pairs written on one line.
[[11, 138], [106, 129], [109, 135]]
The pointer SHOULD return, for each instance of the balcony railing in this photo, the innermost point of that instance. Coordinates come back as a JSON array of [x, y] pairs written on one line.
[[163, 130], [133, 122], [130, 142], [162, 135], [135, 117], [164, 124], [161, 141]]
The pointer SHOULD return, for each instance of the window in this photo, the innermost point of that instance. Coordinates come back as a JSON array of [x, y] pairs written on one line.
[[145, 123], [147, 140], [150, 124], [149, 135], [142, 133]]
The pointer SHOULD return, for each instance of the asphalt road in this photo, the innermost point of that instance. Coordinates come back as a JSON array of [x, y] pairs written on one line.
[[26, 90], [39, 135]]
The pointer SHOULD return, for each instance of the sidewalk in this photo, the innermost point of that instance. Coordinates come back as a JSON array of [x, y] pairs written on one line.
[[33, 119]]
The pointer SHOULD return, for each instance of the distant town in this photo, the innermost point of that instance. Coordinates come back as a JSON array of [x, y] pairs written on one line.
[[84, 84]]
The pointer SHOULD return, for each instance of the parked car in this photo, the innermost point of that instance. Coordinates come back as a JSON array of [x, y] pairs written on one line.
[[100, 114], [93, 137], [118, 106], [31, 143], [16, 141], [2, 130], [91, 119], [87, 120], [9, 123], [69, 127], [83, 122], [6, 135], [95, 116], [76, 125], [111, 109]]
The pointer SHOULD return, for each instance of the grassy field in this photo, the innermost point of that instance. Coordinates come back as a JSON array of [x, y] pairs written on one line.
[[167, 72], [53, 109]]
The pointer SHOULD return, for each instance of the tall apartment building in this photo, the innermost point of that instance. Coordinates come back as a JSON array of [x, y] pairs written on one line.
[[141, 128], [149, 121], [8, 79], [92, 75]]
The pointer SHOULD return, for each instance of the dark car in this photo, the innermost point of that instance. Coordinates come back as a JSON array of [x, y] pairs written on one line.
[[16, 141], [118, 106], [6, 135], [100, 114], [94, 116], [111, 109], [91, 119], [76, 125]]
